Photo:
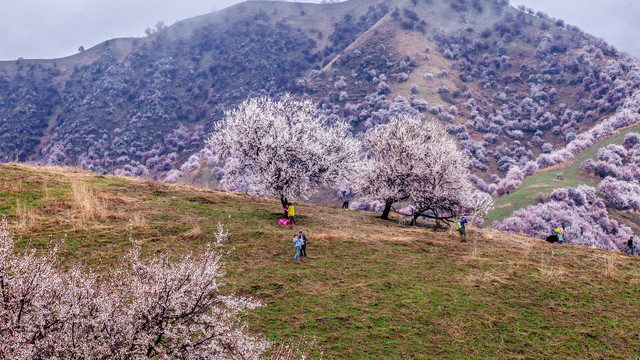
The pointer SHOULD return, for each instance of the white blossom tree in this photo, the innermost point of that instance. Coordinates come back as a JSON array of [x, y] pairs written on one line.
[[155, 309], [415, 160], [283, 148]]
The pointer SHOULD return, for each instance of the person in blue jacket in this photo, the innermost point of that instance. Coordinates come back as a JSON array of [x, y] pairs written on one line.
[[462, 229], [298, 245]]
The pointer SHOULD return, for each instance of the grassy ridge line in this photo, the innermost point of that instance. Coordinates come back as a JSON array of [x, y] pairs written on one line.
[[370, 289], [546, 181]]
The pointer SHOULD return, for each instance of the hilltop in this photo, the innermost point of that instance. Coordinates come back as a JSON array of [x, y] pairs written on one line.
[[369, 289], [510, 84]]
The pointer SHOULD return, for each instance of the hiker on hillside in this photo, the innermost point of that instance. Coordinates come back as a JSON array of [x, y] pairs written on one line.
[[285, 207], [291, 213], [630, 245], [560, 234], [345, 200], [303, 244], [296, 243], [461, 228]]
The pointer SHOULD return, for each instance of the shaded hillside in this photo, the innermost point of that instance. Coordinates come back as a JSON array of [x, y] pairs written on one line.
[[510, 84], [370, 289], [143, 105]]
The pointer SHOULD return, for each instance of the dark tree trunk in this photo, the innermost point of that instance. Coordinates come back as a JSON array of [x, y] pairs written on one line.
[[414, 220], [387, 210]]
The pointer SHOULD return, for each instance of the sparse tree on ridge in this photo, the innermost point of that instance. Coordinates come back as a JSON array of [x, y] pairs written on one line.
[[414, 160], [283, 148]]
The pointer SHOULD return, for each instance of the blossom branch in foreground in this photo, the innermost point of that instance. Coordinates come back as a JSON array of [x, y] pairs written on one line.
[[142, 309]]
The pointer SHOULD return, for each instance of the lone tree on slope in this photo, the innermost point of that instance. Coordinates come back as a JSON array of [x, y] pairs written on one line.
[[414, 160], [282, 148]]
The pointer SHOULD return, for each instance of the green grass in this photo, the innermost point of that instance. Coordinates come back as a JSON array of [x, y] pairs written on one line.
[[546, 181], [370, 289]]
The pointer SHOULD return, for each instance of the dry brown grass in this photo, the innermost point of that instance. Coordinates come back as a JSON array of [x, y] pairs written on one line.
[[609, 265], [139, 221], [26, 219], [549, 269], [86, 202], [196, 231]]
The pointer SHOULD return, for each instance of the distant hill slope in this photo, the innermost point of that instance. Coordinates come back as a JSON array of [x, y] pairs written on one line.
[[370, 289], [142, 106], [511, 85]]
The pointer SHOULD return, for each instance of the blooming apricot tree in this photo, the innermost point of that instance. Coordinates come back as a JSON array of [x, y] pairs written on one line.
[[282, 148], [414, 160]]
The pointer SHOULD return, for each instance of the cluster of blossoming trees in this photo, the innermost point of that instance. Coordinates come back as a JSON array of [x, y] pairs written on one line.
[[140, 310], [283, 148], [620, 168], [582, 213]]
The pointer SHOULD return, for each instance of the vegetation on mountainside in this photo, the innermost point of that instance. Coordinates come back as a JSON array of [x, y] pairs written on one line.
[[536, 187], [369, 289], [511, 84]]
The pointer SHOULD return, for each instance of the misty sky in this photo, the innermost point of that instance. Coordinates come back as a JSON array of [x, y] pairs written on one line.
[[56, 28]]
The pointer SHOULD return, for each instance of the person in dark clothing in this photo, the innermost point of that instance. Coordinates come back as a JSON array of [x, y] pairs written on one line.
[[303, 247], [345, 200], [462, 229], [630, 245], [285, 205]]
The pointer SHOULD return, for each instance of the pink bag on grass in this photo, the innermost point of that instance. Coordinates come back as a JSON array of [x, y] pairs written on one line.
[[284, 222]]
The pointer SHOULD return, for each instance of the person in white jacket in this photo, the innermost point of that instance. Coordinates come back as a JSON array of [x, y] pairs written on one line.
[[297, 243]]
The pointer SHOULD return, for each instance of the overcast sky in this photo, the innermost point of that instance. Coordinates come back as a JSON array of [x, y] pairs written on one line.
[[56, 28]]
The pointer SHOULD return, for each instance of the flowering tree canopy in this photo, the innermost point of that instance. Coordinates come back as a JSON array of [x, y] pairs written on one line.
[[282, 148], [414, 160]]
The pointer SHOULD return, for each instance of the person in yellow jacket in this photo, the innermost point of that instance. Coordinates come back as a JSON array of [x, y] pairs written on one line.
[[291, 212]]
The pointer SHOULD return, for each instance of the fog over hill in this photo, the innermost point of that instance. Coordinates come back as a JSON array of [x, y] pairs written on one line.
[[41, 29]]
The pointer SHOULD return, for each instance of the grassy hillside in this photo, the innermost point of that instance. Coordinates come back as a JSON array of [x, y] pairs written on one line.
[[370, 289], [546, 181]]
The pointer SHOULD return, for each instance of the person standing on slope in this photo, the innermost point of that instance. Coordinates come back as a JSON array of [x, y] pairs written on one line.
[[296, 243], [291, 213], [303, 244], [462, 229], [630, 245], [345, 200], [560, 233]]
